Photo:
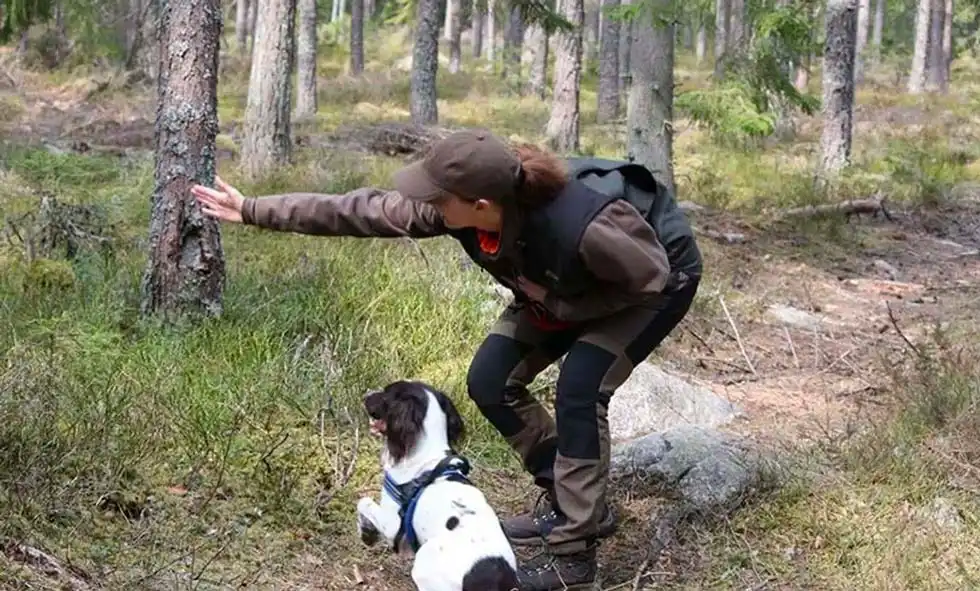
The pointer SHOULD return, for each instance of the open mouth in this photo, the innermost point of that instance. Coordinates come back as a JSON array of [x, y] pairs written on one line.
[[377, 426]]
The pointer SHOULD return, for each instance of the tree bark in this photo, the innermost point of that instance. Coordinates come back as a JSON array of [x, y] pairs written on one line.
[[425, 64], [537, 83], [649, 110], [562, 129], [917, 74], [266, 144], [453, 33], [625, 47], [241, 25], [306, 60], [935, 58], [736, 26], [479, 13], [723, 10], [701, 44], [184, 274], [838, 86], [877, 28], [513, 47], [590, 46], [491, 30], [864, 12], [357, 37], [253, 15], [948, 44], [608, 91]]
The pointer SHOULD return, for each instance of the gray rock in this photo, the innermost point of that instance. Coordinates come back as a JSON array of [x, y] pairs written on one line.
[[796, 317], [944, 514], [652, 400], [700, 466], [887, 268]]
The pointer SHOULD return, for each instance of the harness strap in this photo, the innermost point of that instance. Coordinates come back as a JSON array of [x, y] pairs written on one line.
[[452, 468]]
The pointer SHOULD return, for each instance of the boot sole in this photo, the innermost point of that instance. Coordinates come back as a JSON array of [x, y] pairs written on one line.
[[604, 532]]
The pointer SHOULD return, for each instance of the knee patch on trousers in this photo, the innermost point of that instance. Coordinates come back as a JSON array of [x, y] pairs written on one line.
[[578, 394]]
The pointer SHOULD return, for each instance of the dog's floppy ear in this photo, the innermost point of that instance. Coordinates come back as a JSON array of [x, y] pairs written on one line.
[[404, 416], [455, 430]]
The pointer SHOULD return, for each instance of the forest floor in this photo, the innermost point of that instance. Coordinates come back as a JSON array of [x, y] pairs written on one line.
[[849, 344]]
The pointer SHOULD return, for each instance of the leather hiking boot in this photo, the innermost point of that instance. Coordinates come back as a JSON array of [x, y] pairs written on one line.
[[532, 527], [554, 572]]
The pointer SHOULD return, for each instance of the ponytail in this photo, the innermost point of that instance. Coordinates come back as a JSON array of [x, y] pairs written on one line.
[[544, 176]]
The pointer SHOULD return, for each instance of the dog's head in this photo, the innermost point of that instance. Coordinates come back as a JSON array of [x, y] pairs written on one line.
[[401, 413]]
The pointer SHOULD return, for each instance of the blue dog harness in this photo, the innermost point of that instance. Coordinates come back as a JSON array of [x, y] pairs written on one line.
[[452, 468]]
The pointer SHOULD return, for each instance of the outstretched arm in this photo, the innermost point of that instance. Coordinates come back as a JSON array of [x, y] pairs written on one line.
[[365, 212]]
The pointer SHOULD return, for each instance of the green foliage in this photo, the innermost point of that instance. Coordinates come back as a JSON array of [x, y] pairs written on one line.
[[18, 15], [757, 86]]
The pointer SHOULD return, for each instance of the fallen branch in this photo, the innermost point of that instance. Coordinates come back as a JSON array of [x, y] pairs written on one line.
[[71, 577], [898, 329], [390, 139], [725, 237], [738, 338], [872, 206]]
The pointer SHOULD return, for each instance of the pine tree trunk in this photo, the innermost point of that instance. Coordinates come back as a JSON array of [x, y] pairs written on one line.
[[878, 28], [357, 37], [723, 10], [649, 110], [369, 10], [948, 44], [537, 83], [241, 25], [253, 15], [864, 12], [802, 80], [917, 74], [736, 27], [935, 58], [453, 34], [184, 274], [562, 130], [838, 86], [479, 14], [491, 26], [425, 64], [266, 144], [591, 41], [513, 47], [701, 44], [306, 60], [625, 48], [608, 91]]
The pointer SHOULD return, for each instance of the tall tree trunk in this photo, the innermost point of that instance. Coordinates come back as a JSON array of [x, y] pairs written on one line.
[[266, 144], [562, 129], [917, 74], [425, 64], [723, 9], [935, 59], [649, 110], [608, 92], [368, 11], [625, 48], [253, 15], [454, 12], [479, 13], [864, 12], [491, 30], [948, 44], [736, 27], [877, 28], [537, 82], [306, 60], [357, 37], [701, 44], [241, 25], [802, 79], [513, 47], [184, 273], [838, 86], [590, 46]]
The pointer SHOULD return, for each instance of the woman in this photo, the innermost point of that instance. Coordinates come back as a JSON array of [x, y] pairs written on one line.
[[591, 280]]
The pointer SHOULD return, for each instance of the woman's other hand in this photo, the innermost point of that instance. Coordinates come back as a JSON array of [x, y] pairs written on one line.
[[225, 203]]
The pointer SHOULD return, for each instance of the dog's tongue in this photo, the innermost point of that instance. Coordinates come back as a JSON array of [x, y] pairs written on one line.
[[377, 427]]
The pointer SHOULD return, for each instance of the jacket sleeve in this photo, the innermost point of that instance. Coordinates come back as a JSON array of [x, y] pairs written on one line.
[[622, 250], [365, 213]]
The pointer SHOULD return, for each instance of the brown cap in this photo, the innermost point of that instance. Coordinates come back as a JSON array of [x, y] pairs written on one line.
[[469, 164]]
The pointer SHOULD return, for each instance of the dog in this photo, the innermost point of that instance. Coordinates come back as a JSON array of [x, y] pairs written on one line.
[[427, 504]]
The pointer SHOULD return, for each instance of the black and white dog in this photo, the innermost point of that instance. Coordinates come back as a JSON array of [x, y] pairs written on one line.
[[427, 504]]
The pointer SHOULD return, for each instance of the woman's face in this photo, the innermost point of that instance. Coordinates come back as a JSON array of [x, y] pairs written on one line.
[[461, 213]]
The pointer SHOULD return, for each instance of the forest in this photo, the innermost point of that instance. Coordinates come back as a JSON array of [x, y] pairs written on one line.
[[180, 400]]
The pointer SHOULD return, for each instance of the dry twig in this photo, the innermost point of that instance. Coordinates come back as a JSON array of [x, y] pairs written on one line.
[[898, 329], [738, 338]]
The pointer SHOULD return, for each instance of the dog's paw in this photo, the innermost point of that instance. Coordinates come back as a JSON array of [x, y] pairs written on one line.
[[368, 531]]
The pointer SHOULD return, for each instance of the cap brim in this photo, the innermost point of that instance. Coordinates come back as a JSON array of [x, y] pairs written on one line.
[[413, 183]]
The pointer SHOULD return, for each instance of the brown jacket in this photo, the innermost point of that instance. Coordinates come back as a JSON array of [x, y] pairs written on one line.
[[619, 247]]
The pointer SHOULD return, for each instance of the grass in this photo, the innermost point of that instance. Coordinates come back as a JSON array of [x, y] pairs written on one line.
[[202, 456]]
